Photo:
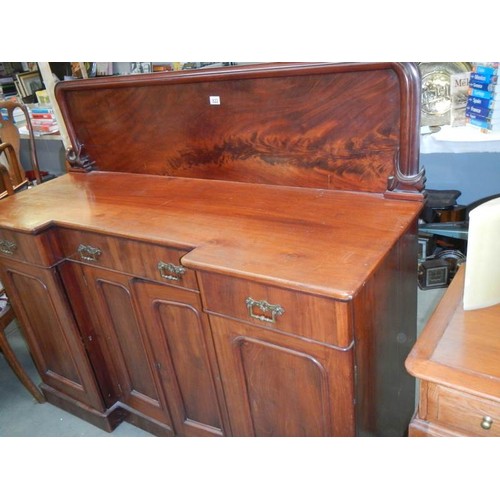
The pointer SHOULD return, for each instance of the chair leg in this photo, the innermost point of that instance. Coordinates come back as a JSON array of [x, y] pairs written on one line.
[[18, 369]]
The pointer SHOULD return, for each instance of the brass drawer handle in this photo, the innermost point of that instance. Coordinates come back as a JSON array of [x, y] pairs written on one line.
[[170, 271], [88, 253], [265, 307], [7, 247], [487, 423]]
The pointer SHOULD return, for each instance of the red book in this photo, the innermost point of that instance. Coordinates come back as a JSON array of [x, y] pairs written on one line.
[[42, 115]]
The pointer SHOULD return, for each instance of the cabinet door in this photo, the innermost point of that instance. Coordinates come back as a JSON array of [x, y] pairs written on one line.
[[130, 356], [43, 310], [277, 385], [184, 355]]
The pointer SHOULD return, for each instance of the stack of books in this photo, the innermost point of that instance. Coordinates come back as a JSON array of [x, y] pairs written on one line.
[[43, 120], [483, 103]]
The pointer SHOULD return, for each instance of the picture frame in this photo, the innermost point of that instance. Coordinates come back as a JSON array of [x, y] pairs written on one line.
[[103, 69], [29, 83], [140, 67]]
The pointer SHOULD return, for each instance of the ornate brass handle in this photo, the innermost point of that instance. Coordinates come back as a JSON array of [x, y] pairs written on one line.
[[7, 247], [272, 309], [88, 253], [170, 271], [487, 423]]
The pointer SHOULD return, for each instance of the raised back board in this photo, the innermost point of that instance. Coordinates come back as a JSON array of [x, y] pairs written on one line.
[[332, 126]]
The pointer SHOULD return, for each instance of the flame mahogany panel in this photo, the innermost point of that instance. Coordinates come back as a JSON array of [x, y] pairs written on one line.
[[334, 126]]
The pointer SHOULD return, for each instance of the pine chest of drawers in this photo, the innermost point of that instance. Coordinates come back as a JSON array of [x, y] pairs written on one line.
[[456, 360]]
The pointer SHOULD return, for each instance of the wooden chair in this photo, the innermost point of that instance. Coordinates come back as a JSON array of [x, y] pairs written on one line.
[[6, 317], [13, 177]]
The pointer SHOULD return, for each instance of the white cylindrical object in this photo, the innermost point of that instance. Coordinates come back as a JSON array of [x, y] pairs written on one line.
[[482, 272]]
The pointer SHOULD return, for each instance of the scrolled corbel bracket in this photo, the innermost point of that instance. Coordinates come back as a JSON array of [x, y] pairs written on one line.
[[401, 185], [77, 160], [410, 183]]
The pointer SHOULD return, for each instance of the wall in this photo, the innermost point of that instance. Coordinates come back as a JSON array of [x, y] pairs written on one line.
[[476, 175], [50, 154]]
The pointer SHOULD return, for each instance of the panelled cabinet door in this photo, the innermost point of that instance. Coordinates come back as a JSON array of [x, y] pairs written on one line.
[[52, 335], [130, 354], [277, 385], [183, 353]]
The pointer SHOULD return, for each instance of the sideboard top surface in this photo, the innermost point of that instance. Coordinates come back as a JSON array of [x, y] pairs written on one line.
[[335, 126], [314, 240]]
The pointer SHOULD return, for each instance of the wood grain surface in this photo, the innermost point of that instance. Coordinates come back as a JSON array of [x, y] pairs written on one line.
[[333, 126], [312, 240]]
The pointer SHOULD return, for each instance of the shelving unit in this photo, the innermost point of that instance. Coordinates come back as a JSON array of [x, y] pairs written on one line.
[[464, 139]]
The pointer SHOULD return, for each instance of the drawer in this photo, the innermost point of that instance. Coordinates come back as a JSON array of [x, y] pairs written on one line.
[[40, 249], [474, 416], [309, 316], [155, 262]]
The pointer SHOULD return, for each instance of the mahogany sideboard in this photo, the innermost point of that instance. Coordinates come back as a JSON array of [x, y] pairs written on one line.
[[456, 359], [232, 251]]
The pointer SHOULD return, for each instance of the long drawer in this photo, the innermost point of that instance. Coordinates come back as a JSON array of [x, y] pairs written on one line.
[[317, 318], [156, 262]]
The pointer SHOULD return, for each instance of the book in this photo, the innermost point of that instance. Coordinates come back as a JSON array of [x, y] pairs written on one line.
[[483, 124], [43, 121], [484, 94], [482, 111], [483, 103], [476, 77], [42, 110], [492, 64], [45, 128], [481, 119], [38, 116], [486, 69], [489, 87]]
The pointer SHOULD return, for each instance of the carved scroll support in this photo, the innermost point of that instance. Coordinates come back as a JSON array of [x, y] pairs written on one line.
[[401, 185], [79, 161]]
